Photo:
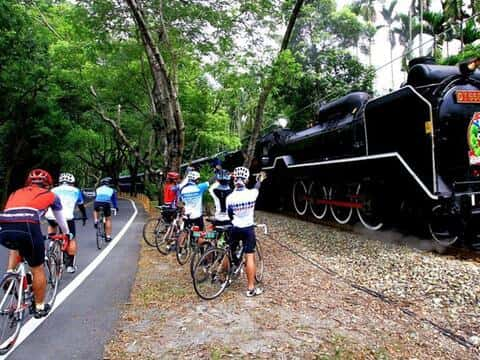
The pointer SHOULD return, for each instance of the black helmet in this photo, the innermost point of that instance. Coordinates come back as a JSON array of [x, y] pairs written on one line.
[[106, 181]]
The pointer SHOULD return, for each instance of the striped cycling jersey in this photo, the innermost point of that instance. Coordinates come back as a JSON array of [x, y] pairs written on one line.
[[219, 194], [28, 204], [70, 197], [241, 203], [106, 194]]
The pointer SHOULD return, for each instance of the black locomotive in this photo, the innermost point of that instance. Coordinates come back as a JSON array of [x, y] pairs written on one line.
[[415, 150]]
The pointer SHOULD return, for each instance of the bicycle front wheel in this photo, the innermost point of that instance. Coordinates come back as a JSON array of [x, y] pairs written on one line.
[[258, 263], [11, 311], [153, 229], [54, 272], [197, 253], [211, 274]]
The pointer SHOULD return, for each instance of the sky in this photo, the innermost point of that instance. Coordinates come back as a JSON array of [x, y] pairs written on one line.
[[381, 48]]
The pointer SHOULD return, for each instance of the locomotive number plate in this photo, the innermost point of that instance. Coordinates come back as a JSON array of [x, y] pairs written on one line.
[[468, 96]]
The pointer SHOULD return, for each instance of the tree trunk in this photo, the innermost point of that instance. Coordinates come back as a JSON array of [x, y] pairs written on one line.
[[170, 125], [267, 88]]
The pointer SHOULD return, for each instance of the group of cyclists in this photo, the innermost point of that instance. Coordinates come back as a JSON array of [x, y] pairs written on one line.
[[233, 206], [20, 223]]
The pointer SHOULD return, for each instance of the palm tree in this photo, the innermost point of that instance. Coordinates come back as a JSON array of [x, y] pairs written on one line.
[[453, 12], [434, 25], [406, 30], [387, 13], [471, 33], [366, 9]]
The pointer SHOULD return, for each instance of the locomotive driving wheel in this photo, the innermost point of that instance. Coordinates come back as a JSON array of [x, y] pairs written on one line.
[[317, 193], [445, 227], [299, 197], [370, 212], [341, 212]]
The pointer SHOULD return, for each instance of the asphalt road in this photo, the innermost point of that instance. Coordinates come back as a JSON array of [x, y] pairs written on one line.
[[79, 326]]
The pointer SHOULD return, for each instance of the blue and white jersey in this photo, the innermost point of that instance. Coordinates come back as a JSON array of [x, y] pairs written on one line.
[[106, 194], [70, 196], [241, 202], [192, 196]]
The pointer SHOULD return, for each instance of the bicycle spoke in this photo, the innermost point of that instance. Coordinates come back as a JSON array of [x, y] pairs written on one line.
[[10, 312]]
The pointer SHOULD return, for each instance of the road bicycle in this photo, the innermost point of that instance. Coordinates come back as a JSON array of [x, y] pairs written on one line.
[[18, 297], [216, 268], [173, 225], [101, 235], [155, 228]]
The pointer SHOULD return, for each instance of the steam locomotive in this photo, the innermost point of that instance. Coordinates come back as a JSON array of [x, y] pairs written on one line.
[[415, 150]]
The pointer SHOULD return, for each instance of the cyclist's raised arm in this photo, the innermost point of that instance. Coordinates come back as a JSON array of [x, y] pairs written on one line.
[[56, 207]]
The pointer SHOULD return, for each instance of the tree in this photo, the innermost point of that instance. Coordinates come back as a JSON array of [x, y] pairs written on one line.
[[268, 85], [390, 19], [434, 25]]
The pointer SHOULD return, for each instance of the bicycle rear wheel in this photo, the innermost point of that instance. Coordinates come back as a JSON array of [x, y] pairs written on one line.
[[197, 253], [11, 312], [258, 263], [183, 252], [211, 274], [153, 229], [54, 272], [162, 240], [100, 234]]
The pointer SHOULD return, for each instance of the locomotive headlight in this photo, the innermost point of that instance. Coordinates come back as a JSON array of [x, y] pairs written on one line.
[[469, 66]]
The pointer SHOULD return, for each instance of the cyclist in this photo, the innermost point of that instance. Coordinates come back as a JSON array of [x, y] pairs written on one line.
[[241, 207], [106, 197], [70, 197], [219, 192], [20, 229], [170, 189]]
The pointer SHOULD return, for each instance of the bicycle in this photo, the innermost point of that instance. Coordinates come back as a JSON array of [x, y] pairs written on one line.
[[155, 228], [101, 234], [165, 239], [215, 269], [18, 297], [55, 264]]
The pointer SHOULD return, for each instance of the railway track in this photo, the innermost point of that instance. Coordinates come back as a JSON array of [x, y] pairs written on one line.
[[459, 339]]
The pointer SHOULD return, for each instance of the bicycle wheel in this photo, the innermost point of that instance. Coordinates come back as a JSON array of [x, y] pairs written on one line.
[[100, 234], [162, 241], [152, 229], [258, 263], [11, 311], [198, 251], [183, 252], [211, 274], [54, 272]]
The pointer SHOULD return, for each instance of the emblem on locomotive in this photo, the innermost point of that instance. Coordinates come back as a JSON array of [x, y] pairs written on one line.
[[474, 140]]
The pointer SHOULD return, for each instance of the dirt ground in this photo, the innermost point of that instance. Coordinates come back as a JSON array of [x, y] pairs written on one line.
[[304, 313]]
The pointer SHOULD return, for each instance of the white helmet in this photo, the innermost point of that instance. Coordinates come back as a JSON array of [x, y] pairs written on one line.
[[193, 176], [241, 172], [66, 178]]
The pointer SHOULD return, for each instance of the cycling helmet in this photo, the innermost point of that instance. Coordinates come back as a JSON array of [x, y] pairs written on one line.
[[39, 177], [223, 176], [193, 176], [106, 181], [172, 176], [66, 178], [241, 173]]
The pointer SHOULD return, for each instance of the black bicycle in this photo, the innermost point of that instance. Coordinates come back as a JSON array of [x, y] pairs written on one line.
[[101, 235], [217, 267]]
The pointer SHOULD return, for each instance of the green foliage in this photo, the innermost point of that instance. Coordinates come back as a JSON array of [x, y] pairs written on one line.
[[470, 51]]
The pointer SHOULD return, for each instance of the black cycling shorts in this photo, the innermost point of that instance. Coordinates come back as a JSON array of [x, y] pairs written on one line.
[[198, 221], [107, 207], [247, 235], [25, 237], [70, 223]]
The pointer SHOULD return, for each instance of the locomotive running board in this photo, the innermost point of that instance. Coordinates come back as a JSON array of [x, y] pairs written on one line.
[[289, 163]]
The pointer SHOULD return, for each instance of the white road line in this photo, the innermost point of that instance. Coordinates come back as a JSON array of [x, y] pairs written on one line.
[[31, 325]]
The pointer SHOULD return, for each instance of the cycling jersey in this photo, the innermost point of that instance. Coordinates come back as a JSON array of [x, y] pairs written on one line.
[[219, 194], [105, 194], [170, 194], [70, 197], [241, 204], [192, 195], [28, 204]]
